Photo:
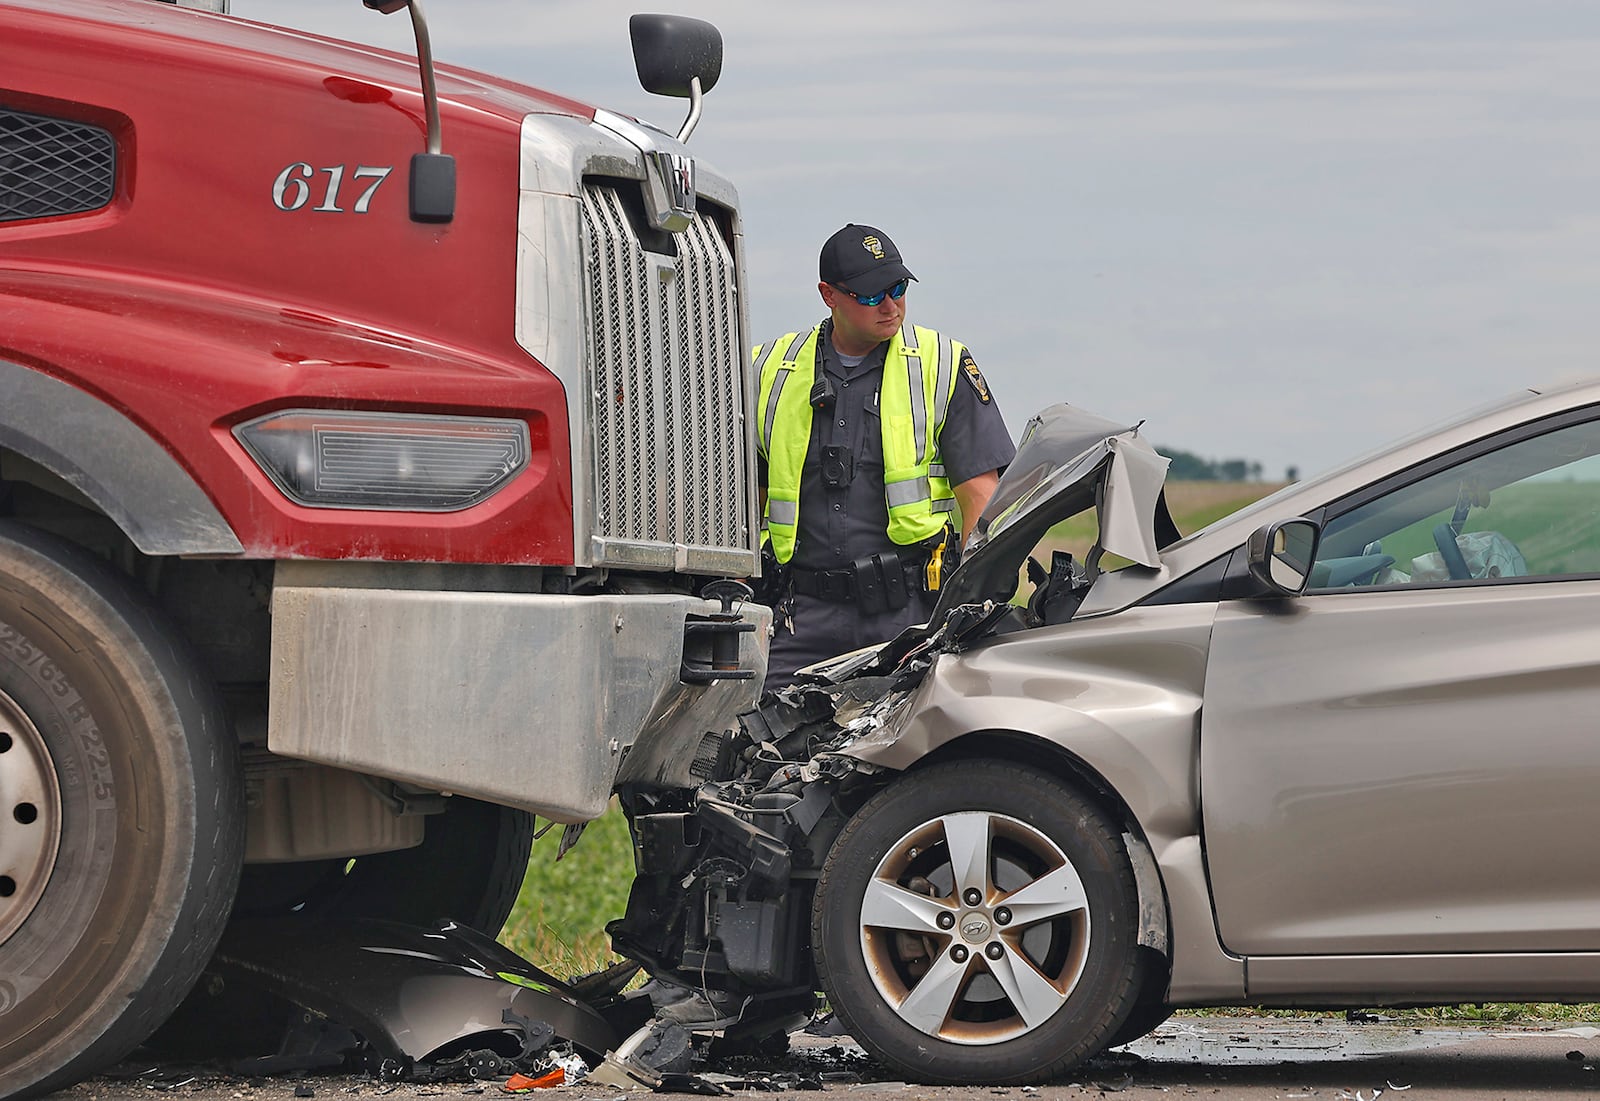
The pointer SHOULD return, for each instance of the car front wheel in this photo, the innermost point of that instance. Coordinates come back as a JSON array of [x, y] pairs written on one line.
[[976, 922]]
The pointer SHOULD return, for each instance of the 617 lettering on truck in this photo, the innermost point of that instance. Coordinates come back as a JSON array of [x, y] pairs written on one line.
[[292, 189], [324, 537]]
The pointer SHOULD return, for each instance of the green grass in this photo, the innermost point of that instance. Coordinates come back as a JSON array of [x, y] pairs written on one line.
[[560, 916], [1507, 1012], [1481, 1013]]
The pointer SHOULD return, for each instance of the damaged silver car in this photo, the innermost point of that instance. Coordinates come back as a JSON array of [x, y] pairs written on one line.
[[1334, 750]]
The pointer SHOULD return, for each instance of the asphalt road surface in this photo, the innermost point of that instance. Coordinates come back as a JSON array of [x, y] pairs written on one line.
[[1302, 1059]]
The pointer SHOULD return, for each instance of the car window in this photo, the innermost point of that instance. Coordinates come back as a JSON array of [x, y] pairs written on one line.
[[1529, 509]]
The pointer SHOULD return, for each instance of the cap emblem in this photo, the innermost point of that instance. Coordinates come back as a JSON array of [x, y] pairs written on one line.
[[874, 246]]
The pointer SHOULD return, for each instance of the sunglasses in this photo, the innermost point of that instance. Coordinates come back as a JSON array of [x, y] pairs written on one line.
[[896, 292]]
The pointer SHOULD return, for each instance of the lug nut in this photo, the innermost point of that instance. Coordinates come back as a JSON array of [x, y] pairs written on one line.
[[994, 951], [972, 896], [959, 953], [946, 921], [1002, 916]]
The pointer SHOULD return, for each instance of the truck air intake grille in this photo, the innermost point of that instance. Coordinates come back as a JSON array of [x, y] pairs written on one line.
[[50, 167], [667, 377]]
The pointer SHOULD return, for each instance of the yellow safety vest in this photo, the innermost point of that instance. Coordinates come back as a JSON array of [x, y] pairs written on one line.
[[919, 377]]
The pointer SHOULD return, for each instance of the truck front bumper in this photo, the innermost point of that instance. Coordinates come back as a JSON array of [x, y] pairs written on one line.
[[528, 700]]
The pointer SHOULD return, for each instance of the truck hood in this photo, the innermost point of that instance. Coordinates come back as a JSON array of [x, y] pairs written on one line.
[[355, 69]]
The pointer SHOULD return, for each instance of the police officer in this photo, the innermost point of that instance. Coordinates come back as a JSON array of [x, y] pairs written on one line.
[[872, 431]]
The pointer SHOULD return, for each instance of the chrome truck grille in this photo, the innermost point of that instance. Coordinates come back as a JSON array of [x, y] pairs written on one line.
[[667, 380]]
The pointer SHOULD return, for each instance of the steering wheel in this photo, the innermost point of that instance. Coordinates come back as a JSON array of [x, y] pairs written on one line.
[[1444, 536]]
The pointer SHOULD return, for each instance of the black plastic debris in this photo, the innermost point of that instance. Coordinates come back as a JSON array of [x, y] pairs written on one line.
[[426, 1003], [311, 1043], [1365, 1016], [676, 1082], [827, 1025]]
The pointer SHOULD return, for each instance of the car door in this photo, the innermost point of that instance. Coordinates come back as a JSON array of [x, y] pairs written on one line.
[[1406, 761]]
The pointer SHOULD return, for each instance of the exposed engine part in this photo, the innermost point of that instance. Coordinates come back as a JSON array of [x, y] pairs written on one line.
[[722, 899]]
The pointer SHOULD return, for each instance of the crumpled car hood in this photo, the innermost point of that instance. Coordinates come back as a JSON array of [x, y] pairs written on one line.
[[1070, 460]]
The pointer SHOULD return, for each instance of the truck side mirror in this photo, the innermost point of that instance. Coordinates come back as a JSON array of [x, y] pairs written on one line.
[[677, 56], [669, 51]]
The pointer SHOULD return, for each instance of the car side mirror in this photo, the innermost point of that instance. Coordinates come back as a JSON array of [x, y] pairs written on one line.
[[1280, 555]]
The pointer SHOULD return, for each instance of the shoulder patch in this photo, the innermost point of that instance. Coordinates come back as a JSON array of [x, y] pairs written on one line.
[[970, 372]]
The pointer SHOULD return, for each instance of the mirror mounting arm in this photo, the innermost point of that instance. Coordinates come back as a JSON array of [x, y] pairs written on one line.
[[695, 98], [430, 86], [433, 173]]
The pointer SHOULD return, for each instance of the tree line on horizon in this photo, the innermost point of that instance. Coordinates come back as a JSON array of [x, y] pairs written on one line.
[[1186, 466]]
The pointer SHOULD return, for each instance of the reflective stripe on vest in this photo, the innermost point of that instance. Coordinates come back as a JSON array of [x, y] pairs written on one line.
[[918, 376]]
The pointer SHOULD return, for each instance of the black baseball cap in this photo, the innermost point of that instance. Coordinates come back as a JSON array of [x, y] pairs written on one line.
[[862, 260]]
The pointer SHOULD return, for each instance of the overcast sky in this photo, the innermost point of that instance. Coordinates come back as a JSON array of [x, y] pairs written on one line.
[[1284, 231]]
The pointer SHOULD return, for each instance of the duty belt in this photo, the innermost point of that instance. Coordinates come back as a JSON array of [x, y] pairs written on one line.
[[876, 582]]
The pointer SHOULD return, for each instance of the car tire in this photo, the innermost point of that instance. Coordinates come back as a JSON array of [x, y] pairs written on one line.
[[122, 799], [1145, 1019], [906, 960], [469, 868]]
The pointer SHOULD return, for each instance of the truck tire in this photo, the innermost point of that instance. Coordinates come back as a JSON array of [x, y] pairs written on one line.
[[469, 868], [123, 814]]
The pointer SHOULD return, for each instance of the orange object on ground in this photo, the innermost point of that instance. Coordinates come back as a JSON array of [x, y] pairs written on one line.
[[521, 1083]]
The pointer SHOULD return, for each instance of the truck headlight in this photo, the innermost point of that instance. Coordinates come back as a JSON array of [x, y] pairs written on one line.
[[413, 462]]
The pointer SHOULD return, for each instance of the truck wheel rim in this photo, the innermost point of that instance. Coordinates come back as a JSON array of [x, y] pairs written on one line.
[[30, 816], [975, 928]]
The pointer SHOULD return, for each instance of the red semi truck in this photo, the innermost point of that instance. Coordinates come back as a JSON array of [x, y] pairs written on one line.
[[368, 436]]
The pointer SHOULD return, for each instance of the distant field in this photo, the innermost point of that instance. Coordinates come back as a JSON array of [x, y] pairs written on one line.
[[1196, 504], [1193, 506]]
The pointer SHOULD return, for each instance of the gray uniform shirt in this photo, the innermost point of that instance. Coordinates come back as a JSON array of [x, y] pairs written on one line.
[[838, 525]]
